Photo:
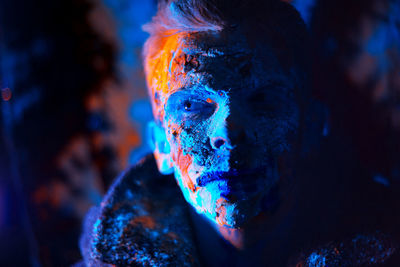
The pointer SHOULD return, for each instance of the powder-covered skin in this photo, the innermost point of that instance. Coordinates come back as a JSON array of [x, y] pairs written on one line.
[[229, 112]]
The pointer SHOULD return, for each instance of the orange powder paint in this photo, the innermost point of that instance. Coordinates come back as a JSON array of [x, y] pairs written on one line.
[[159, 67], [221, 211], [184, 161]]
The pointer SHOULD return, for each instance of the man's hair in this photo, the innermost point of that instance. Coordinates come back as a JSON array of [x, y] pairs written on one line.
[[179, 16], [272, 21]]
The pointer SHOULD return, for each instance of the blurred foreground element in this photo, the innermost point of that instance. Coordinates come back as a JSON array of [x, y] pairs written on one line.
[[67, 108], [70, 99]]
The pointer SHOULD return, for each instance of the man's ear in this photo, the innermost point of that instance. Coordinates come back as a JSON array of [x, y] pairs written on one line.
[[161, 149]]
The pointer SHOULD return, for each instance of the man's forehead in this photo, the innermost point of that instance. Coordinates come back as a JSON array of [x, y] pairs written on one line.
[[219, 61], [227, 42], [222, 60]]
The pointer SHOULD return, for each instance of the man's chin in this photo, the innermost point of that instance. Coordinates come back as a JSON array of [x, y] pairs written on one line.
[[231, 213], [219, 204], [237, 214]]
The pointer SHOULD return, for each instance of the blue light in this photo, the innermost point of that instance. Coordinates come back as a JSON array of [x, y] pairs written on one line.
[[130, 15], [381, 180], [305, 8]]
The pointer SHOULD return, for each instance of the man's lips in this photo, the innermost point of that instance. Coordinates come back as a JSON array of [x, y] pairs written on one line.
[[246, 180]]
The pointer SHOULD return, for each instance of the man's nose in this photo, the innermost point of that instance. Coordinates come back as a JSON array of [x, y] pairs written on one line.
[[236, 124], [219, 139], [232, 131], [218, 142], [232, 136]]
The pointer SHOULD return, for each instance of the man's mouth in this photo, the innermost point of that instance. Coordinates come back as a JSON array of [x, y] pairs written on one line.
[[237, 180]]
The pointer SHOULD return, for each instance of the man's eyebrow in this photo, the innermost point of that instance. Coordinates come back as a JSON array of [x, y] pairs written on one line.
[[213, 52], [180, 89], [174, 91], [193, 89]]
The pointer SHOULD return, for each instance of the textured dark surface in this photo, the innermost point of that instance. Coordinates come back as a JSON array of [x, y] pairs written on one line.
[[362, 250], [142, 221]]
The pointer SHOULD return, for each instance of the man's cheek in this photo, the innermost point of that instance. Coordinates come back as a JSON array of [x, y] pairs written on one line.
[[196, 143], [182, 156], [193, 141]]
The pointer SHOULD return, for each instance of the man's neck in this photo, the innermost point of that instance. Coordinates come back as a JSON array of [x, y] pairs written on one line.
[[261, 239]]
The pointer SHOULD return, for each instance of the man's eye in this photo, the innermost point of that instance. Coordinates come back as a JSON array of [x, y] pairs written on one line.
[[187, 105], [198, 107], [194, 106]]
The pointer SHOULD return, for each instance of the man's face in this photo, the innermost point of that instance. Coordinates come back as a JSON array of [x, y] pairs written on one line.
[[229, 114]]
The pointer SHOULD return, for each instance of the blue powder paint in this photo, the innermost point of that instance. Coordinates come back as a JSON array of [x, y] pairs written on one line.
[[316, 260], [220, 120], [96, 225], [206, 119]]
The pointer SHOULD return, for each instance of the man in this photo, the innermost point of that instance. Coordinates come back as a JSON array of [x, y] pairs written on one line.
[[233, 123]]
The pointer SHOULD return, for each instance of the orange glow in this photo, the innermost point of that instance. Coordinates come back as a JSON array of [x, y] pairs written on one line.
[[221, 212], [234, 236], [146, 221], [184, 161], [131, 140], [172, 235], [159, 67], [6, 94]]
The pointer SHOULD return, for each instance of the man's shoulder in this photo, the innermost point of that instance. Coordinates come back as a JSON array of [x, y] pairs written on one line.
[[141, 221], [374, 249]]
